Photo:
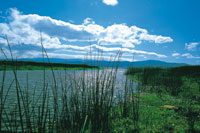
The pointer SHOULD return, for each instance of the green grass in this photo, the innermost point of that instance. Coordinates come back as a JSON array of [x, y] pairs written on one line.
[[170, 97], [30, 65], [155, 117], [171, 80]]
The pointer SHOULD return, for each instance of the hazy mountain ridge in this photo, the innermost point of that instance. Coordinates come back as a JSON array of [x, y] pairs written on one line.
[[147, 63]]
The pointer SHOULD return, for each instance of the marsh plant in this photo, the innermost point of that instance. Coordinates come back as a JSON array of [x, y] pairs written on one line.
[[87, 101]]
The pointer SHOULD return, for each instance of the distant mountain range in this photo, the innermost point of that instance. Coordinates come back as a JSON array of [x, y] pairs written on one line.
[[156, 63], [147, 63]]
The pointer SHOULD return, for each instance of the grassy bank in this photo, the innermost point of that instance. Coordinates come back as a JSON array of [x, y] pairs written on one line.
[[170, 97], [28, 65], [158, 114]]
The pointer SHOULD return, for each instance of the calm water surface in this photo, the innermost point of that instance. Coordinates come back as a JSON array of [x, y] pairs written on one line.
[[34, 79]]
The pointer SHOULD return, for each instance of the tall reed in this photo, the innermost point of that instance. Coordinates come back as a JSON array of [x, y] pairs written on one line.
[[76, 102]]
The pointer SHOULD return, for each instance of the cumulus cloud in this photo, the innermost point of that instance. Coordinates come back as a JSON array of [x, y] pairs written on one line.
[[25, 29], [128, 36], [56, 34], [191, 46], [110, 2]]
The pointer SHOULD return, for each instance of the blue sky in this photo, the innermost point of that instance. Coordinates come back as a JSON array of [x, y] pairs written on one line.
[[166, 30]]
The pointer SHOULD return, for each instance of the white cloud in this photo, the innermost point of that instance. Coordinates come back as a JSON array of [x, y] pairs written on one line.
[[153, 38], [128, 36], [125, 50], [110, 2], [56, 34], [66, 49], [2, 41], [88, 21], [19, 32], [189, 56], [176, 54], [191, 46], [94, 47], [36, 54], [15, 53], [26, 29]]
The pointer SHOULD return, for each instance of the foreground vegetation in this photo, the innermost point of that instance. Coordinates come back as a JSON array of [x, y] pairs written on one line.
[[87, 102], [30, 65], [171, 97]]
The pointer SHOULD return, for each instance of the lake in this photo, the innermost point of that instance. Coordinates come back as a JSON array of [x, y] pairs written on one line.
[[33, 81], [35, 78]]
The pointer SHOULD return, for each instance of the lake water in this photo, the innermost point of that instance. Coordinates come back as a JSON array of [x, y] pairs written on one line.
[[34, 81]]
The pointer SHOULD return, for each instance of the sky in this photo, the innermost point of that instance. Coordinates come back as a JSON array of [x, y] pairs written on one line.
[[165, 30]]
